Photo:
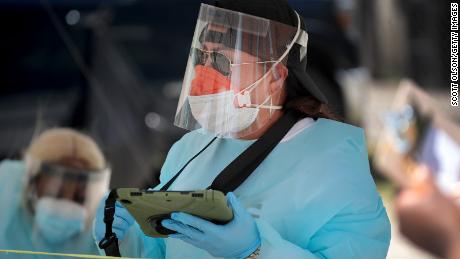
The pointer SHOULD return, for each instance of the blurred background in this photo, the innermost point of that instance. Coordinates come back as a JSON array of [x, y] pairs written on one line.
[[113, 69]]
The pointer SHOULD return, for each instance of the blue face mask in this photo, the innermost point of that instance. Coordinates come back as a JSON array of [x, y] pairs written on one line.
[[59, 220]]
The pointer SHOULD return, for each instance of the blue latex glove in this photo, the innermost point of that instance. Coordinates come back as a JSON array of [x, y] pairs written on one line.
[[122, 220], [237, 239]]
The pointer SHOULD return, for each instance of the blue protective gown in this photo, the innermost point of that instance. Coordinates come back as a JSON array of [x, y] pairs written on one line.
[[16, 222], [312, 197]]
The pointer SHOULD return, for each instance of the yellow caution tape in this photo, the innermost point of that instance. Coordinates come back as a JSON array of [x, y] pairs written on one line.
[[60, 254]]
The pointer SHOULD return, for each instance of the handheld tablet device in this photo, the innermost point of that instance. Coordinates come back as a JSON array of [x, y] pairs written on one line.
[[149, 208]]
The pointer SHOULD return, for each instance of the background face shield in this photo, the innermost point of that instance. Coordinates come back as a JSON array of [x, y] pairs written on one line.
[[80, 187], [233, 59]]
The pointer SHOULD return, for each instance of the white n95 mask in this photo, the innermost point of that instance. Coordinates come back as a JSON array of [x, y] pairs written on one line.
[[221, 119]]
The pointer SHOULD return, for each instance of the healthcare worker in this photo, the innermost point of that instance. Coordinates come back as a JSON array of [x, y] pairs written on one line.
[[311, 197], [49, 199]]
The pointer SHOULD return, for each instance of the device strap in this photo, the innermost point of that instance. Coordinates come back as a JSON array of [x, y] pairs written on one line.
[[228, 180], [166, 186], [110, 241], [241, 168]]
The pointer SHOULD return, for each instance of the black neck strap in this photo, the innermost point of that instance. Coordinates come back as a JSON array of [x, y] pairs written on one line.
[[242, 167]]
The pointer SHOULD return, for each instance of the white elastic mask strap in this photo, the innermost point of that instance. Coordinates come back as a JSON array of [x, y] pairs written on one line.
[[271, 107], [245, 101], [246, 98]]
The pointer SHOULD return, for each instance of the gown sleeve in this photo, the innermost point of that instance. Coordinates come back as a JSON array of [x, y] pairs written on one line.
[[136, 244], [12, 177], [355, 221]]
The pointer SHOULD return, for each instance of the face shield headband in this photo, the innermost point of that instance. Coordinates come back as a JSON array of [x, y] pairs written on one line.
[[222, 100], [64, 183]]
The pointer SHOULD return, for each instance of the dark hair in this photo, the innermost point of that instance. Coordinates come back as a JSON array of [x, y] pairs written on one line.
[[311, 107]]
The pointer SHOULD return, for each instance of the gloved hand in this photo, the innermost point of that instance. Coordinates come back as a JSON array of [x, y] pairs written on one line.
[[237, 239], [122, 220]]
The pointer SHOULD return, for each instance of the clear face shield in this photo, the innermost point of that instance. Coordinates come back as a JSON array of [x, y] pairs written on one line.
[[63, 200], [235, 72]]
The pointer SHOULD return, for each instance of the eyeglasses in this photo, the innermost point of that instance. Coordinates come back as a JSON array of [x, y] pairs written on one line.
[[219, 61]]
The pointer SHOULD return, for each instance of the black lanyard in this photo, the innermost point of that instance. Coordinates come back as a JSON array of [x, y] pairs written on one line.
[[168, 184], [241, 168]]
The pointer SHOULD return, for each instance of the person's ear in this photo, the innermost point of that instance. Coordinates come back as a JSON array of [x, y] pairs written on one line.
[[280, 73]]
